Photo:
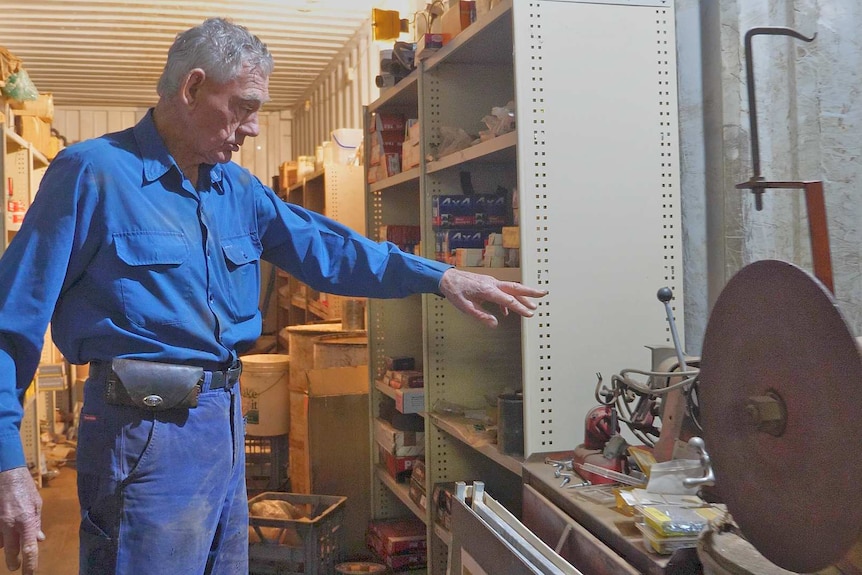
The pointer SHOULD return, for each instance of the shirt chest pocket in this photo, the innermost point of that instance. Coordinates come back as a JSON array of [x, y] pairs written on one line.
[[155, 281], [242, 264]]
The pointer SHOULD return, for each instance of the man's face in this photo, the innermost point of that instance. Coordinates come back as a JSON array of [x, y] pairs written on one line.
[[224, 115]]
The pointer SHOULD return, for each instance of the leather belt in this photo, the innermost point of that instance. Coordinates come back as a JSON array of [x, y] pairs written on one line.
[[225, 378], [219, 379]]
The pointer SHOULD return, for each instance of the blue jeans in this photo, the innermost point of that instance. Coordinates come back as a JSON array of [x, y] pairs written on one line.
[[162, 492]]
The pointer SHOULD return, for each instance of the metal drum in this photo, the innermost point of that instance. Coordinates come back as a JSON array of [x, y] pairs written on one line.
[[346, 349], [301, 348]]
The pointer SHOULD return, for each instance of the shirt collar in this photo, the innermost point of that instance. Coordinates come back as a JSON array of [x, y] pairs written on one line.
[[154, 154]]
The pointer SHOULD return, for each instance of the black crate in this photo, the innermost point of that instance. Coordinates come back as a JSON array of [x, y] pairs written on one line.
[[308, 546], [266, 463]]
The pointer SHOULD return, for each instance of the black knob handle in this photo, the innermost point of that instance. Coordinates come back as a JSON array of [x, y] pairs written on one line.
[[664, 295]]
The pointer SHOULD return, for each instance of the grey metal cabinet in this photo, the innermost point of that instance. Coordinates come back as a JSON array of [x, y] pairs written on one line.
[[595, 163]]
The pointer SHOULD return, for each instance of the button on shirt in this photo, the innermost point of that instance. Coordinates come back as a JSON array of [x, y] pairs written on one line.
[[126, 258]]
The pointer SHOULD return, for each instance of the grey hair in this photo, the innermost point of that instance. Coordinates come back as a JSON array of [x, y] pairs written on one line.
[[217, 46]]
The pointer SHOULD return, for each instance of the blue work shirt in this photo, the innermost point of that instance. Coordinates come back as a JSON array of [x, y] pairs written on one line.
[[125, 258]]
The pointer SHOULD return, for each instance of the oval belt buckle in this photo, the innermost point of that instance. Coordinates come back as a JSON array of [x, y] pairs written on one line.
[[153, 400]]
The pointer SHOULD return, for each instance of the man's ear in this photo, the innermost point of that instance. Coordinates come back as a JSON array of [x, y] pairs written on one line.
[[192, 86]]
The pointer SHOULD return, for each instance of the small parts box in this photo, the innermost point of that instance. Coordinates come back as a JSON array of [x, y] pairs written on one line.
[[308, 545], [399, 443], [398, 468], [399, 543], [441, 500], [417, 490]]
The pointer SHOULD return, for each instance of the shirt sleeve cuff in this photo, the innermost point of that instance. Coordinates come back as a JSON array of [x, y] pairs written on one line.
[[430, 272], [11, 452]]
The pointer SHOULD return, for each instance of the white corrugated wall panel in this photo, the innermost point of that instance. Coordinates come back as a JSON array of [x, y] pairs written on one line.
[[261, 155]]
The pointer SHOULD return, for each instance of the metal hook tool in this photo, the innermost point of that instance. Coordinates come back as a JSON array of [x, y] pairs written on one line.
[[752, 101], [814, 201]]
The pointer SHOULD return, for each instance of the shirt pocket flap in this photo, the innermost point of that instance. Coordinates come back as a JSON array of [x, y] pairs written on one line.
[[240, 250], [152, 248]]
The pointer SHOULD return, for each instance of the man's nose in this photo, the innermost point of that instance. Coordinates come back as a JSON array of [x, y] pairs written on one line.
[[250, 128]]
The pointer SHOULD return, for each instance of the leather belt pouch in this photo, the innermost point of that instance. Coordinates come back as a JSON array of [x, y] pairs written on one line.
[[152, 385]]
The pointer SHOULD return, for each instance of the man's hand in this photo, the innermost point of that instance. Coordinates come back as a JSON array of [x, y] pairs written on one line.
[[468, 291], [20, 520]]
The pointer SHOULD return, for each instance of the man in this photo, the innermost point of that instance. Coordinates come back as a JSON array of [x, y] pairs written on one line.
[[145, 245]]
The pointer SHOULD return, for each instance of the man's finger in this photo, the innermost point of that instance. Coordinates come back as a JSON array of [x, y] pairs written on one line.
[[30, 545], [30, 553], [10, 549]]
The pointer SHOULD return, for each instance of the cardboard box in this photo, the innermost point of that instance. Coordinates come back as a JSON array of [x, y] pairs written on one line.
[[391, 164], [399, 563], [451, 211], [401, 378], [413, 132], [334, 381], [491, 210], [399, 468], [387, 141], [410, 400], [322, 391], [288, 174], [34, 130], [324, 440], [449, 240], [388, 122], [418, 474], [458, 17], [441, 499], [397, 536], [54, 147], [42, 107], [405, 237], [399, 443], [511, 237], [375, 173], [468, 257], [428, 44], [397, 362], [409, 155], [417, 492]]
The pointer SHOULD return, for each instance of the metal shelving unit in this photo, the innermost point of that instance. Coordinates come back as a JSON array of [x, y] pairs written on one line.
[[594, 161], [21, 171], [337, 192]]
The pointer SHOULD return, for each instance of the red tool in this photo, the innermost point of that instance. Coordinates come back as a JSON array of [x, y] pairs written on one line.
[[600, 427]]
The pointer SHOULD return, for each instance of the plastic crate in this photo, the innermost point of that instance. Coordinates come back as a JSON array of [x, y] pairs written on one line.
[[311, 546], [266, 461]]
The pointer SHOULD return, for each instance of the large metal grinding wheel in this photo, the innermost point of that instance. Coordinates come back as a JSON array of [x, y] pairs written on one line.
[[781, 407]]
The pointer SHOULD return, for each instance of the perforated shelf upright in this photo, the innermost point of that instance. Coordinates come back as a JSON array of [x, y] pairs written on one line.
[[594, 160], [22, 169], [21, 172]]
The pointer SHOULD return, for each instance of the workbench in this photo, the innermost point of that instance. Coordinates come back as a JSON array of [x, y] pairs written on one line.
[[599, 540]]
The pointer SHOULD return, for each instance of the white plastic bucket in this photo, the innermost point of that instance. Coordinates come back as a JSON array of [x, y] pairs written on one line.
[[264, 389], [345, 143]]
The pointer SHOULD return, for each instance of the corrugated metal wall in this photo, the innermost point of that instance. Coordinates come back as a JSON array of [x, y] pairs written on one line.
[[809, 109], [261, 155], [337, 97], [334, 101]]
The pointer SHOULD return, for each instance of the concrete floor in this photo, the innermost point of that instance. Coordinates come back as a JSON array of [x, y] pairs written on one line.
[[58, 554]]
